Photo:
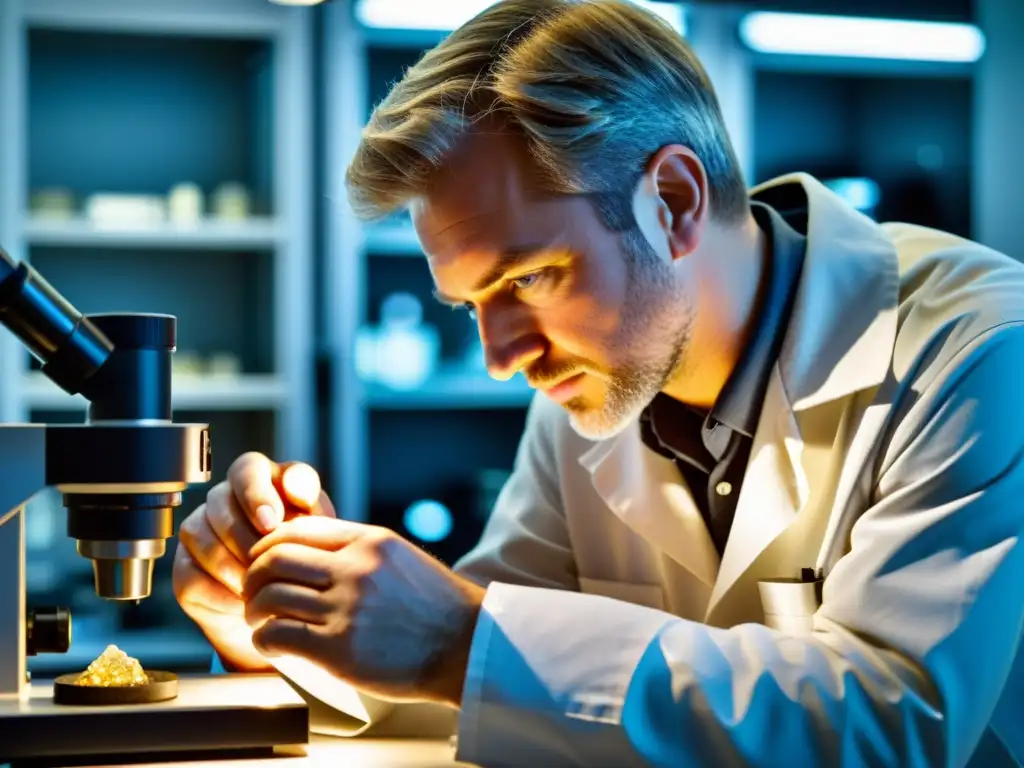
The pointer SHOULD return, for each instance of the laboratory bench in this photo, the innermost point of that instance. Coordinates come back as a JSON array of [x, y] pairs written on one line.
[[358, 752], [412, 736]]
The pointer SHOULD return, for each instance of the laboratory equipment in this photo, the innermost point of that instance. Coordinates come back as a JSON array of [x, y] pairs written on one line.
[[121, 474], [231, 202], [52, 204], [113, 210], [402, 352], [185, 204]]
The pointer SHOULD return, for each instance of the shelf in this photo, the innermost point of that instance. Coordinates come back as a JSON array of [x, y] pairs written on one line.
[[248, 392], [453, 390], [209, 234], [199, 18], [392, 238]]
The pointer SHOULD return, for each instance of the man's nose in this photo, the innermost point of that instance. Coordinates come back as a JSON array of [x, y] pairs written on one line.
[[510, 343]]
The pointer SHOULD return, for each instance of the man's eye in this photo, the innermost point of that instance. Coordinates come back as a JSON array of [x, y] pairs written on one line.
[[529, 281]]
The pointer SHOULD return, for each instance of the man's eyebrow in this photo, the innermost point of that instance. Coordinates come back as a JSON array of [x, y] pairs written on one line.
[[508, 260]]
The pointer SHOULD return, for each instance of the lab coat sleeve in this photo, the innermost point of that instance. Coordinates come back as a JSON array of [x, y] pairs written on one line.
[[526, 541], [914, 640]]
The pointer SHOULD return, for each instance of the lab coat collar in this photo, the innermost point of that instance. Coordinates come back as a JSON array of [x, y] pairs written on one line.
[[844, 318], [840, 335]]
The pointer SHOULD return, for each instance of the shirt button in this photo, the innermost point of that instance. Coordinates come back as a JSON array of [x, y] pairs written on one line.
[[723, 489]]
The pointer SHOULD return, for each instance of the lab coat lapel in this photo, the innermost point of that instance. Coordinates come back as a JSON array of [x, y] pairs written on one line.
[[838, 343], [775, 489], [645, 491]]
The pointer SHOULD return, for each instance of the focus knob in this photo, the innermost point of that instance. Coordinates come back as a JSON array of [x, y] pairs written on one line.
[[48, 630]]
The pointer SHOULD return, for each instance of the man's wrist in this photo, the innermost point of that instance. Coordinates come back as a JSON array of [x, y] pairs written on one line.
[[452, 663], [233, 661]]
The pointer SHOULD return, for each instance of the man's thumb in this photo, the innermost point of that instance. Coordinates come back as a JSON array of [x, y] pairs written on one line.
[[300, 485]]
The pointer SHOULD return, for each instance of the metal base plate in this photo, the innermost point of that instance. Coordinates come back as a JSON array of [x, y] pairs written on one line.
[[210, 712]]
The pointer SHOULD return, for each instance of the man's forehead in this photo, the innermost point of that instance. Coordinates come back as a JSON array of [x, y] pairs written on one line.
[[489, 199], [520, 225], [475, 223], [484, 175]]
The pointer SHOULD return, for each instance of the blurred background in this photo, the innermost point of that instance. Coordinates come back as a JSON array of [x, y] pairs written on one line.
[[187, 156]]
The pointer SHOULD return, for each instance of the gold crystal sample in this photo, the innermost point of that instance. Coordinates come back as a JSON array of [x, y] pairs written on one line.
[[113, 668]]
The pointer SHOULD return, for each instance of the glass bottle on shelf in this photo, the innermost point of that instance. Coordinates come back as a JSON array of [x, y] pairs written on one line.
[[401, 353]]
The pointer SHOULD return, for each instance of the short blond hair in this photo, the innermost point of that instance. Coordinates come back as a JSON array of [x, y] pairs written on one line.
[[595, 87]]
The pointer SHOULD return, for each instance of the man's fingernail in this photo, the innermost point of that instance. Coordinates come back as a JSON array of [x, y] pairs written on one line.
[[267, 517]]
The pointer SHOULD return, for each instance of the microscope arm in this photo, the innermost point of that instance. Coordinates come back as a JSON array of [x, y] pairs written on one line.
[[22, 465], [22, 475]]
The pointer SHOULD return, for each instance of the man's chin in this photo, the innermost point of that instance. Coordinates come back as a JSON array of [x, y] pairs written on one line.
[[593, 423]]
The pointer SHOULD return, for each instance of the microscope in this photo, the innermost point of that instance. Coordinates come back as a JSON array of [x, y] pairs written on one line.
[[121, 475]]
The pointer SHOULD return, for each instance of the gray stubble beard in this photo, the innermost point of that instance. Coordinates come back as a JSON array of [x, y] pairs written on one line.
[[649, 305]]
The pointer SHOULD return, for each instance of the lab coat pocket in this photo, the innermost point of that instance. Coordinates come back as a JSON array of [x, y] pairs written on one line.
[[789, 605], [648, 595]]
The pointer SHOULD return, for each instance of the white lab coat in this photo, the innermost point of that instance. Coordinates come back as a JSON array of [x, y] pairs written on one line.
[[893, 427]]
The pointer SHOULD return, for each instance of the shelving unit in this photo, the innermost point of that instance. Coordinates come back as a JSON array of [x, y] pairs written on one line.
[[134, 100], [905, 126], [107, 97], [840, 125]]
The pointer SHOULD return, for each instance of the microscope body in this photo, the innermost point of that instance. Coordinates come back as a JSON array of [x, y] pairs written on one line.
[[121, 473]]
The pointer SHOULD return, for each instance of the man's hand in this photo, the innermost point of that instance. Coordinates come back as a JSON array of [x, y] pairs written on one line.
[[214, 544], [366, 605]]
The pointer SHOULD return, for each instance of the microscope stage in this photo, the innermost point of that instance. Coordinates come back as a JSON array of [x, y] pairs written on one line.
[[210, 713]]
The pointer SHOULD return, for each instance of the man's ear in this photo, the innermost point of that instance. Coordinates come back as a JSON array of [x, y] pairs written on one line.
[[678, 178]]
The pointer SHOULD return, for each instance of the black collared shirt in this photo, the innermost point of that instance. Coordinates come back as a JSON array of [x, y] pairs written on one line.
[[711, 450]]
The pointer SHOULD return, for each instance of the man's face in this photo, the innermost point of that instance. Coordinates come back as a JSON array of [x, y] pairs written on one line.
[[593, 318]]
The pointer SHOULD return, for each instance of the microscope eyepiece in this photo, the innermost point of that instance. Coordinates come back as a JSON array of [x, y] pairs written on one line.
[[70, 347], [135, 382]]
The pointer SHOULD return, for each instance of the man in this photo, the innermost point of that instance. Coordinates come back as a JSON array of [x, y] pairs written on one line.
[[767, 508]]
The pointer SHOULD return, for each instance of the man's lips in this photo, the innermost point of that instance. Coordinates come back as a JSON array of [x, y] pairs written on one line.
[[566, 389]]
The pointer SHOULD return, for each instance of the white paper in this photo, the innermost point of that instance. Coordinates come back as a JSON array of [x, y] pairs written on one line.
[[348, 710]]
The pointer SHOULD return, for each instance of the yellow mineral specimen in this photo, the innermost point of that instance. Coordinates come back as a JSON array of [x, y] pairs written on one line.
[[113, 668]]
